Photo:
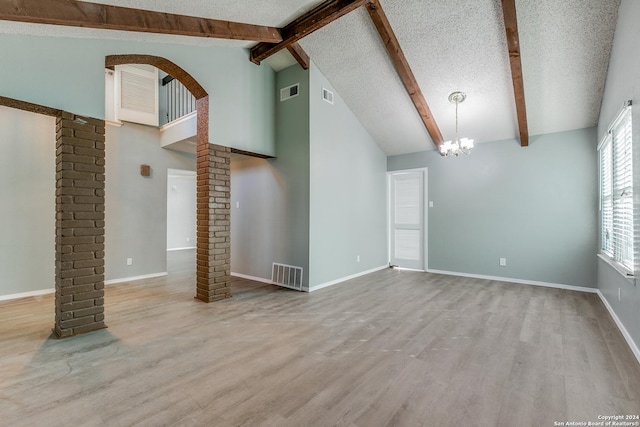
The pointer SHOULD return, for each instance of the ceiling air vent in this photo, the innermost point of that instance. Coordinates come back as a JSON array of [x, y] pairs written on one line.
[[327, 95], [289, 92]]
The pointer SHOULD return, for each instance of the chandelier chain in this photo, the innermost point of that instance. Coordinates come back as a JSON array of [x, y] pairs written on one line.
[[456, 118]]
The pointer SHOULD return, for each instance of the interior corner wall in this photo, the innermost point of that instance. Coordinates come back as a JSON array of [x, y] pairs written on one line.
[[68, 74], [535, 206], [623, 83], [270, 197], [27, 210], [348, 213], [136, 206]]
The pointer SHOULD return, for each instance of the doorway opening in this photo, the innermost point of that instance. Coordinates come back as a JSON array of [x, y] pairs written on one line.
[[181, 221]]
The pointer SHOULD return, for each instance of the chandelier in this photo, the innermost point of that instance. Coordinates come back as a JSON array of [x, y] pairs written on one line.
[[458, 145]]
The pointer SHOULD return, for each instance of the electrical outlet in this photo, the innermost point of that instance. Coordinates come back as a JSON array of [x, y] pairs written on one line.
[[430, 203], [503, 262], [129, 261], [237, 205], [358, 258], [188, 239]]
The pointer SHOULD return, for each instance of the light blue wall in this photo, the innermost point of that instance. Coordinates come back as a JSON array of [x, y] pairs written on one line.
[[321, 202], [271, 223], [348, 191], [623, 83], [68, 74], [27, 201], [534, 206], [135, 209], [136, 206]]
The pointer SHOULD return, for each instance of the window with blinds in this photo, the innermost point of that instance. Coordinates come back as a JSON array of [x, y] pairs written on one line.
[[616, 191]]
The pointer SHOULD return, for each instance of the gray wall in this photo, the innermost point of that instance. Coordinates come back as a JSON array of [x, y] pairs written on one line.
[[272, 222], [321, 202], [534, 206], [27, 207], [181, 210], [241, 93], [136, 206], [348, 191], [623, 83]]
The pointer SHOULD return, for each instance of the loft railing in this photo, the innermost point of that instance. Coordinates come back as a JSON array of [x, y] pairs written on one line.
[[180, 101]]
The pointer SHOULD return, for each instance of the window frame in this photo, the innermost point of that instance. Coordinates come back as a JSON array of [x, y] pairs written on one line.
[[617, 243]]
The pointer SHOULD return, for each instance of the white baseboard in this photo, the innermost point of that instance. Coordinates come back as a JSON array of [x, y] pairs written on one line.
[[343, 279], [52, 290], [254, 278], [632, 344], [27, 294], [181, 249], [519, 281], [133, 278], [395, 267]]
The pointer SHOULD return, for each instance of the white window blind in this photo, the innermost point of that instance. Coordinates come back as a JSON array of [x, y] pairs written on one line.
[[616, 191]]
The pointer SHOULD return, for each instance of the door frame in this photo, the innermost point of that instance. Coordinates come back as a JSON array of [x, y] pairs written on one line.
[[425, 231]]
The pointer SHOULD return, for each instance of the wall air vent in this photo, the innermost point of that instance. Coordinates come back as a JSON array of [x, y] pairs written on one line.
[[327, 95], [289, 92]]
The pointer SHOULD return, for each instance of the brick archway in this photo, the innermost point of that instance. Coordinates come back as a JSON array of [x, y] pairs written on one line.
[[80, 207], [213, 232]]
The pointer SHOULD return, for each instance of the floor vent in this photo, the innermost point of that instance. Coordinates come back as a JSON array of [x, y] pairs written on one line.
[[288, 276]]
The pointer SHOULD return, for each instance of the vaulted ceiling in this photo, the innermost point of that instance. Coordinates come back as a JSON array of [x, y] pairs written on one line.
[[449, 45]]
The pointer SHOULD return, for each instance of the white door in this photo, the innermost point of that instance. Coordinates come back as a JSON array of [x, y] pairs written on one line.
[[406, 234]]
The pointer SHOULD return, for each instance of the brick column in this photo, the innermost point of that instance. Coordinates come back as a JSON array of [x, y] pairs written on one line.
[[79, 269], [213, 251]]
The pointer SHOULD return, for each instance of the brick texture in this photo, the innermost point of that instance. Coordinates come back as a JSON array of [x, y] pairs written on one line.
[[80, 156], [213, 253]]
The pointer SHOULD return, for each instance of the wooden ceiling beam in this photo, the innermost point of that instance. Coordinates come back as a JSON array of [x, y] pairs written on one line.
[[513, 42], [404, 70], [93, 15], [306, 24], [299, 54]]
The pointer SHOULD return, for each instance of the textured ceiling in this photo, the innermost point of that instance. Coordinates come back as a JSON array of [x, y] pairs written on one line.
[[363, 75], [454, 45], [450, 45], [565, 48]]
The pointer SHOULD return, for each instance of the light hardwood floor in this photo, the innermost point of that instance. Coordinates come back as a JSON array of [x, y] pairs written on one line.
[[391, 348]]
